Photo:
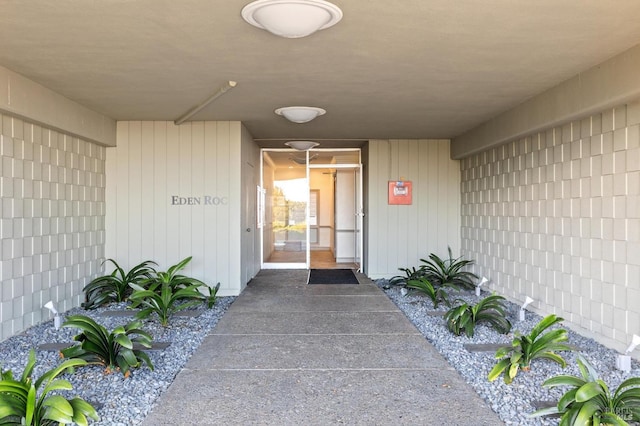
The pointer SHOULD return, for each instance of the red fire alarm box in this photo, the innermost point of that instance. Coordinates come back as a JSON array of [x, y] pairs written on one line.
[[400, 192]]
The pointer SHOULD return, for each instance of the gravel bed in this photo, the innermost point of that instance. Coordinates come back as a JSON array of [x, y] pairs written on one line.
[[119, 400], [511, 402]]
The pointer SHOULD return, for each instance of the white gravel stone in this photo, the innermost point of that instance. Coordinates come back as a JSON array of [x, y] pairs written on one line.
[[512, 402], [121, 401]]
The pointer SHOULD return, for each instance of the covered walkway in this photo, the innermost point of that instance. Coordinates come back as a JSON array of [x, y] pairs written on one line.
[[288, 353]]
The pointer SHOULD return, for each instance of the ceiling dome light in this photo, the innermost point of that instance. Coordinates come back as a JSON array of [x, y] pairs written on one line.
[[302, 145], [300, 114], [292, 18]]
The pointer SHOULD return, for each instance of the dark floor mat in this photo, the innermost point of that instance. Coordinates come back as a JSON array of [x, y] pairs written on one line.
[[332, 276]]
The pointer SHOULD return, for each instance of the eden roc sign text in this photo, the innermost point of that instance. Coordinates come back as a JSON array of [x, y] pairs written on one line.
[[205, 200]]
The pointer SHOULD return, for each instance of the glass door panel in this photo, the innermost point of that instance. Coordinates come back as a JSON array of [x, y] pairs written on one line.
[[286, 189]]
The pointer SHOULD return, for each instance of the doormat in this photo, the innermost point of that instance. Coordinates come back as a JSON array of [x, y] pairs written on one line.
[[332, 276]]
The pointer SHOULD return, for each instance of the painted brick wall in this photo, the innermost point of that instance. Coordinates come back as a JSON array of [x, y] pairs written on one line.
[[556, 216], [52, 189]]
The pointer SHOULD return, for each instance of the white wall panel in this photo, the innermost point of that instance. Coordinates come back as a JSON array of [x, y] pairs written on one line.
[[200, 164], [399, 235]]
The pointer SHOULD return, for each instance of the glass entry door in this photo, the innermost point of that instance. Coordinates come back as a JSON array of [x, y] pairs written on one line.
[[285, 188], [310, 208]]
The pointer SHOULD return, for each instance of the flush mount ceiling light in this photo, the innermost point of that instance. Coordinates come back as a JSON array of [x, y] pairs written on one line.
[[301, 145], [303, 160], [292, 18], [300, 114]]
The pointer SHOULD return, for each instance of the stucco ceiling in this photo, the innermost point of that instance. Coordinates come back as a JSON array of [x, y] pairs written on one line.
[[404, 69]]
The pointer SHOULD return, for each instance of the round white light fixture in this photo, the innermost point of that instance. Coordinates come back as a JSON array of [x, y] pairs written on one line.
[[302, 145], [300, 114], [292, 18]]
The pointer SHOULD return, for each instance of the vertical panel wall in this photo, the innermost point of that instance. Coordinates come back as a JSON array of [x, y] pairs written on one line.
[[556, 216], [399, 235], [250, 232], [176, 191], [52, 227]]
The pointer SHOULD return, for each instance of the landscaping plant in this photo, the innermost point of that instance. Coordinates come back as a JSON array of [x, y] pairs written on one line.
[[409, 275], [114, 350], [463, 318], [165, 300], [171, 277], [448, 272], [436, 294], [213, 296], [32, 402], [525, 348], [166, 293], [115, 286], [590, 402]]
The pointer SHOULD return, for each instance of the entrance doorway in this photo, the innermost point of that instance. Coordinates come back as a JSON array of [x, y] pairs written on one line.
[[310, 209]]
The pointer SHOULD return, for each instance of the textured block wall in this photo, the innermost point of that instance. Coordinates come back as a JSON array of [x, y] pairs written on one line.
[[556, 216], [52, 189]]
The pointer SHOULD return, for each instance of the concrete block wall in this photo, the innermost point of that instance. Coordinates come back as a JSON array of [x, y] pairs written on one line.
[[556, 216], [52, 188]]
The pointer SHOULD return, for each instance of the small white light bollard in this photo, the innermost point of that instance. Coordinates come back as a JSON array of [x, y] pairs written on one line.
[[404, 291], [623, 362], [482, 282], [527, 302], [57, 319]]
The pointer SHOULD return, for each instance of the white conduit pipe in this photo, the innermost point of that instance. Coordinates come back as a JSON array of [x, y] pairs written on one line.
[[229, 85]]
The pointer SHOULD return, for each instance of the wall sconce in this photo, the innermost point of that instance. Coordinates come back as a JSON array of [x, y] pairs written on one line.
[[527, 302], [623, 362], [482, 282], [57, 319]]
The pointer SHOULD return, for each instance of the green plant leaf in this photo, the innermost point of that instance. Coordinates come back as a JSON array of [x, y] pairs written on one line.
[[563, 381], [81, 410], [123, 341], [588, 391], [544, 412], [587, 411], [30, 407], [612, 419], [58, 409], [552, 357], [498, 369]]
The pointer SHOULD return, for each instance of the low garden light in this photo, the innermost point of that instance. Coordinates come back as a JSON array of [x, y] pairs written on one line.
[[482, 282], [57, 318], [623, 362], [527, 302]]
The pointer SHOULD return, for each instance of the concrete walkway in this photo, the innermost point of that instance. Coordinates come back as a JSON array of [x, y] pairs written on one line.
[[287, 353]]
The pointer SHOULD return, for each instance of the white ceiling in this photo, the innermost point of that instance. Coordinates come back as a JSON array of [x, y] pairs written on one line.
[[404, 69]]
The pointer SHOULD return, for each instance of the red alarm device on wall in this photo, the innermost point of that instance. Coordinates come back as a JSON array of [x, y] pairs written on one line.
[[400, 192]]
